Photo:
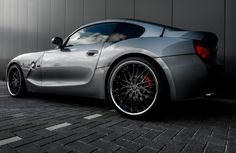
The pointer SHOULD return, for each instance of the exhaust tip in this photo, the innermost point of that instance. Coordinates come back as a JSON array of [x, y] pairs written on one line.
[[210, 94]]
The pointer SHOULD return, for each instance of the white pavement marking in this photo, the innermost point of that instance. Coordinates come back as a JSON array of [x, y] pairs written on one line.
[[58, 126], [9, 140], [112, 110], [2, 96], [18, 115], [92, 116]]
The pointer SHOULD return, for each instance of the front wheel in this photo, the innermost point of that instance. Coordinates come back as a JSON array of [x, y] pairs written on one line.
[[15, 81], [134, 87]]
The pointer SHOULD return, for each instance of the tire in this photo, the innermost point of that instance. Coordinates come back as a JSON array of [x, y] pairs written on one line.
[[134, 87], [15, 81]]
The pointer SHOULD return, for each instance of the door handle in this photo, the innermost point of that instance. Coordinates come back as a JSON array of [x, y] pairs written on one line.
[[92, 52]]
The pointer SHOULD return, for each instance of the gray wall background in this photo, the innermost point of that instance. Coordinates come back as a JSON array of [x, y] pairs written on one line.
[[28, 25]]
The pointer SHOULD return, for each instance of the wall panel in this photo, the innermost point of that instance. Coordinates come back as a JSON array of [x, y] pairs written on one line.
[[119, 9], [10, 28], [32, 38], [14, 28], [6, 28], [94, 10], [1, 36], [231, 42], [44, 34], [154, 10], [6, 35], [23, 25], [1, 24], [74, 15], [58, 13]]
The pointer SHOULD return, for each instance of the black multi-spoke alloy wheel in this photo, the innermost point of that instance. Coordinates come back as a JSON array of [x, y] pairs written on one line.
[[134, 86], [15, 81]]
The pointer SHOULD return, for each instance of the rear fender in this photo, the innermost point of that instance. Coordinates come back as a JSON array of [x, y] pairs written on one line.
[[151, 46]]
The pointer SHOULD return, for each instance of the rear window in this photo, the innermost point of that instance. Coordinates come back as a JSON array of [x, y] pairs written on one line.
[[125, 31]]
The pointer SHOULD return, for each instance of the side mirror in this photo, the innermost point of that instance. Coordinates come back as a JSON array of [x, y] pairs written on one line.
[[57, 41]]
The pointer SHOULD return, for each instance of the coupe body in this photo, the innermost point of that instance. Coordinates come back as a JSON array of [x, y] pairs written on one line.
[[133, 64]]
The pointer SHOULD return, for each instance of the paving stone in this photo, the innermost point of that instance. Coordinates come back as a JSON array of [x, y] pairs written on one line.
[[152, 134], [151, 144], [112, 137], [74, 137], [56, 148], [102, 130], [125, 123], [129, 145], [131, 135], [105, 146], [6, 134], [48, 140], [138, 128], [154, 126], [45, 133], [203, 132], [92, 137], [193, 147], [147, 150], [118, 129], [7, 149], [93, 125], [231, 150], [26, 141], [212, 148], [217, 141], [173, 147], [25, 133], [30, 148], [123, 150], [112, 122], [81, 147]]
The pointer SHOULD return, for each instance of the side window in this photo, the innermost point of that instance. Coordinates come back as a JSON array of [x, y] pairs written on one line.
[[126, 31], [91, 34]]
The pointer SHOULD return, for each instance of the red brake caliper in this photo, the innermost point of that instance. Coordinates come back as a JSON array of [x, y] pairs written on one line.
[[149, 82]]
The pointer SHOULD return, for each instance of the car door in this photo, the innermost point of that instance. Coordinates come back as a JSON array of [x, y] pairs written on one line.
[[75, 64]]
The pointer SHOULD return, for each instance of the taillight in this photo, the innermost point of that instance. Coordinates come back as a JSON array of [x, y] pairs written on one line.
[[203, 51]]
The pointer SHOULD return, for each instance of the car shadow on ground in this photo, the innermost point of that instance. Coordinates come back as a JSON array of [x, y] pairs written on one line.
[[193, 109], [196, 109], [70, 100]]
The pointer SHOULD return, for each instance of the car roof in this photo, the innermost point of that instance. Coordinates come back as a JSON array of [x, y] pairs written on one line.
[[134, 21]]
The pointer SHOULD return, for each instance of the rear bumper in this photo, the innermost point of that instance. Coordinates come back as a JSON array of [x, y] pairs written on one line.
[[215, 78]]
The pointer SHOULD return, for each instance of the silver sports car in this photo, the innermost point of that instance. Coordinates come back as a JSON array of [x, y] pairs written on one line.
[[133, 64]]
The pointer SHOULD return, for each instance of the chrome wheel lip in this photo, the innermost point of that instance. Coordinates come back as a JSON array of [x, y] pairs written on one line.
[[20, 78], [112, 80]]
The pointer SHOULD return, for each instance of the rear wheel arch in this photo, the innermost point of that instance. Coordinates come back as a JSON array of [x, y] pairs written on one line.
[[155, 63]]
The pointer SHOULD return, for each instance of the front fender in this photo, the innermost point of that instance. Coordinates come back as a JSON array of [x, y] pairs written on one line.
[[25, 62]]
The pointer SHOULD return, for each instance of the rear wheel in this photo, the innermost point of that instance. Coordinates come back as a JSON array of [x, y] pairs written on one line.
[[134, 87], [15, 81]]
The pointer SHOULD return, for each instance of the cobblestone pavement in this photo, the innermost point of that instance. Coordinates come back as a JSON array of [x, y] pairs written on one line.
[[53, 124]]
